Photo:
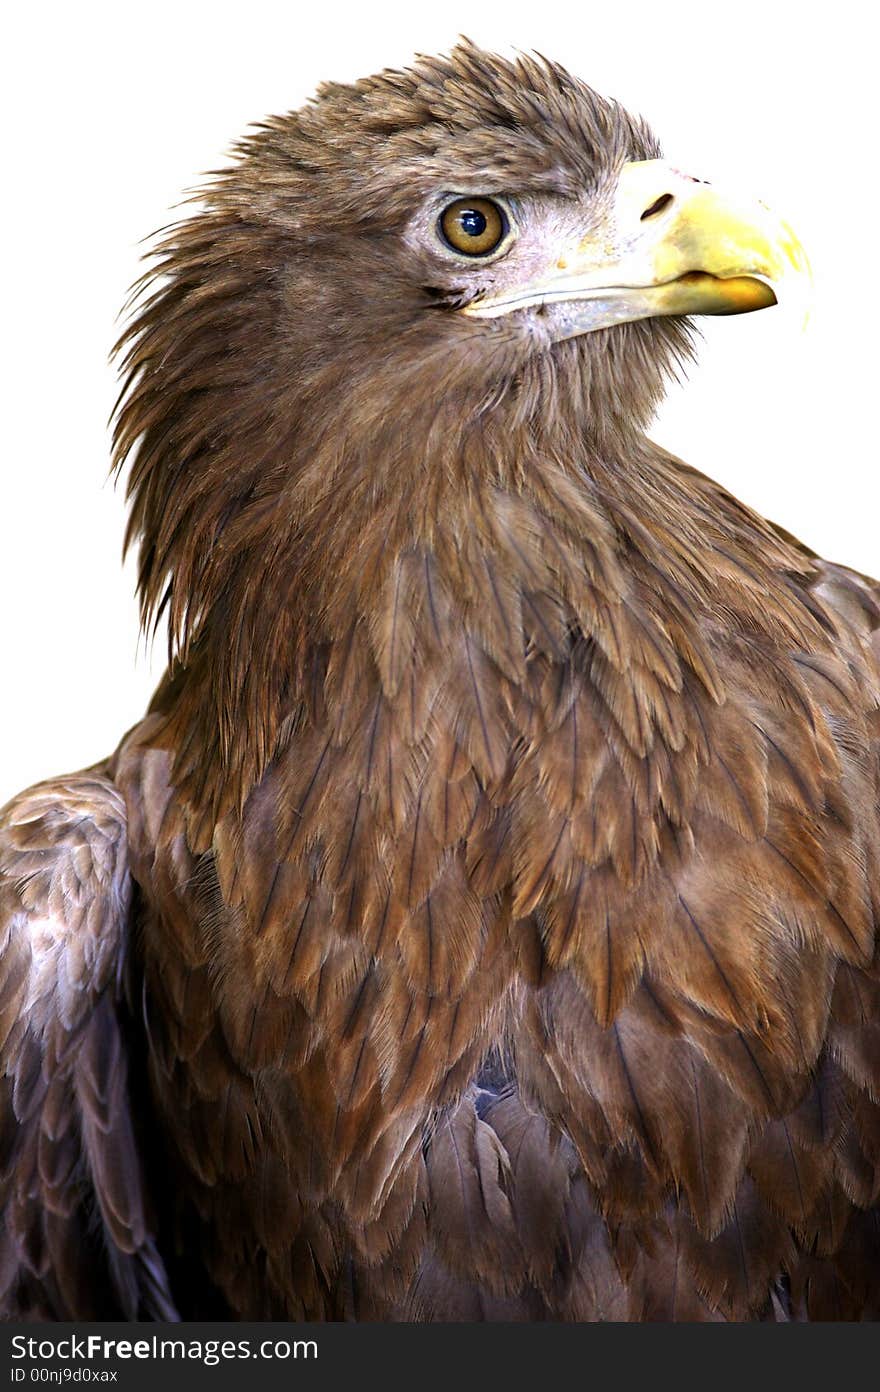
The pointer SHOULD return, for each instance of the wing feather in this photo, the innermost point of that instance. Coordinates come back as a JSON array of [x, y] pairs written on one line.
[[71, 1155]]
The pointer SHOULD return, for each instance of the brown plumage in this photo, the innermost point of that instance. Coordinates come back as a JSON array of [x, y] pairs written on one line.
[[480, 924]]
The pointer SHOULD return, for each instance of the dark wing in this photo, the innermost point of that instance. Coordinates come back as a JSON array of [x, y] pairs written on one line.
[[75, 1236]]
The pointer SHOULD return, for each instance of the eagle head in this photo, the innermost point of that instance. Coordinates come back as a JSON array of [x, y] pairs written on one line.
[[416, 279]]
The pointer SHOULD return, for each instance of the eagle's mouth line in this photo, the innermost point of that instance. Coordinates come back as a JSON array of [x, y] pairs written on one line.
[[480, 306]]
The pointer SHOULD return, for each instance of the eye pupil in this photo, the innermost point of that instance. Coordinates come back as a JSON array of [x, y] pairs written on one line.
[[472, 222], [474, 226]]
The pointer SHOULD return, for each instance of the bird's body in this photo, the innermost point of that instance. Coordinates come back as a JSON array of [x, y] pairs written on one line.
[[480, 925]]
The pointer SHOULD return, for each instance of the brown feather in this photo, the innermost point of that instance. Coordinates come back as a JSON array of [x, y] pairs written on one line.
[[481, 923]]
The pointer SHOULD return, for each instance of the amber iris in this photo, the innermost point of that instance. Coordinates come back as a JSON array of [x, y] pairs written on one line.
[[473, 226]]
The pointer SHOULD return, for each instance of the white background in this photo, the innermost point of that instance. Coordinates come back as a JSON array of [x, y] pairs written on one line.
[[110, 112]]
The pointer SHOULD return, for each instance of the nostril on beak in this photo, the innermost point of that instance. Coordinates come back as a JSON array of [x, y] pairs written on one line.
[[657, 206]]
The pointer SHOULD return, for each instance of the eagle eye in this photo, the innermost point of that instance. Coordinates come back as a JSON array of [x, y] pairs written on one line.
[[473, 226]]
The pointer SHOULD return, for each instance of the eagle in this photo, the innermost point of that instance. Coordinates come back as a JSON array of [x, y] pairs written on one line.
[[480, 923]]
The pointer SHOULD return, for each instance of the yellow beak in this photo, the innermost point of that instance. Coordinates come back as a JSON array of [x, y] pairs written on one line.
[[667, 244]]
